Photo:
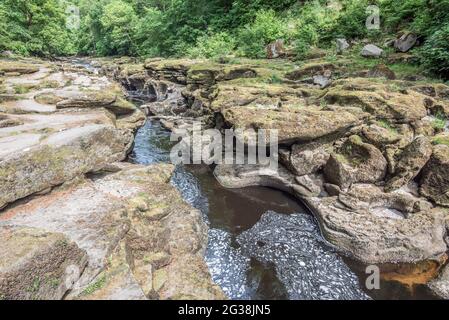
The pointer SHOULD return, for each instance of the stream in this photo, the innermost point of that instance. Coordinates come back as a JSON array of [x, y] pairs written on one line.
[[250, 254], [263, 244]]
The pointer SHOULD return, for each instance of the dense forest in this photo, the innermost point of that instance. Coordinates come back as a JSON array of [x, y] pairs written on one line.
[[213, 28]]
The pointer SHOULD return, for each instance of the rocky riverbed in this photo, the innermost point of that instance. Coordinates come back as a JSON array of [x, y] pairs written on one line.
[[364, 154], [368, 153]]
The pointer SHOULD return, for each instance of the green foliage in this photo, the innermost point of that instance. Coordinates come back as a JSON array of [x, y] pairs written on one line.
[[119, 22], [439, 123], [441, 141], [216, 28], [95, 286], [35, 27], [421, 16], [435, 52], [266, 27], [351, 23], [213, 46]]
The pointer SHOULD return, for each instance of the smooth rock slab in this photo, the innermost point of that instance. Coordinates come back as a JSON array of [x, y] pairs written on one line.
[[305, 264], [59, 158]]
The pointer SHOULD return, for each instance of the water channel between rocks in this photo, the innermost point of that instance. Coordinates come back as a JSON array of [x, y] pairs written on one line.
[[263, 244]]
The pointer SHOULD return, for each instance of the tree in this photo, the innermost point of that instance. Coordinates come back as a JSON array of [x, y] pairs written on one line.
[[120, 24], [37, 27]]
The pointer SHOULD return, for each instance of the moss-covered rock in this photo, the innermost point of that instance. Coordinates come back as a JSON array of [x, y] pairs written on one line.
[[17, 67], [61, 157], [382, 101], [298, 124], [311, 69], [89, 99], [434, 182], [37, 265], [355, 162], [410, 163]]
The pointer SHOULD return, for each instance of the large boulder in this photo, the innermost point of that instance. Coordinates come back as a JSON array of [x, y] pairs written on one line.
[[37, 265], [410, 163], [293, 124], [31, 163], [378, 235], [275, 49], [406, 42], [371, 51], [304, 159], [355, 162], [342, 45], [434, 182]]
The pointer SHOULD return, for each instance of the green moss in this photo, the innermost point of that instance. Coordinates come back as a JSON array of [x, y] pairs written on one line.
[[384, 123], [95, 286], [35, 286], [439, 123], [21, 89], [49, 84], [62, 243], [441, 140], [54, 283], [275, 79]]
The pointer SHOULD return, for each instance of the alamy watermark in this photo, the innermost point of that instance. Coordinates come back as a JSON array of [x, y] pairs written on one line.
[[373, 280], [240, 147], [373, 19]]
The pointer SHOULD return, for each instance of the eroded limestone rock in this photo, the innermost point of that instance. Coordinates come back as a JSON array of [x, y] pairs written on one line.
[[355, 162], [37, 265], [373, 237], [32, 163], [410, 163], [136, 229], [294, 124], [434, 183]]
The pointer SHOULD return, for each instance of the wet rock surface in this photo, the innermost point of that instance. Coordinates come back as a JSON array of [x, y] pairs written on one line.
[[305, 264]]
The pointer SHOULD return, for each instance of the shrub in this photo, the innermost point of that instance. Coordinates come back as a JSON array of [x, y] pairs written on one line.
[[213, 46], [267, 27], [434, 54], [352, 21], [313, 22]]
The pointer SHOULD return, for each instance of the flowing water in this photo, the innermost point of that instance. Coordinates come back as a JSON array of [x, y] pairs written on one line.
[[253, 255]]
